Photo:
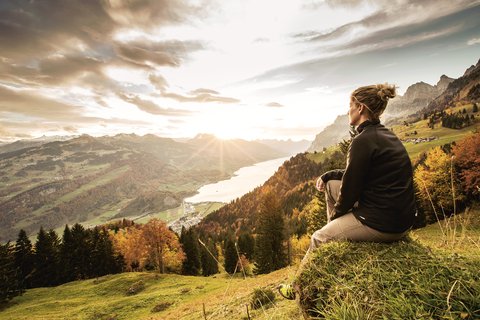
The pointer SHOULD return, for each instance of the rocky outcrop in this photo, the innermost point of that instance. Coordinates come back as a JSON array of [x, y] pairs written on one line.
[[332, 134], [417, 97], [463, 89]]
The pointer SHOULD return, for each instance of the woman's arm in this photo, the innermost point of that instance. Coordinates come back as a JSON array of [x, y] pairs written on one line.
[[354, 177]]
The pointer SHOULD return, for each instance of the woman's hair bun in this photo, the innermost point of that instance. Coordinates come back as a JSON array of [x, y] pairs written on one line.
[[386, 91]]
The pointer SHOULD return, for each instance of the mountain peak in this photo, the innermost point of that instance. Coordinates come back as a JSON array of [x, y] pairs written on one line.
[[443, 83]]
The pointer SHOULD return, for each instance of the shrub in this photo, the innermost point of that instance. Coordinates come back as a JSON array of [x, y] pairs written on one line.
[[162, 306], [136, 288], [262, 297], [404, 280], [185, 290]]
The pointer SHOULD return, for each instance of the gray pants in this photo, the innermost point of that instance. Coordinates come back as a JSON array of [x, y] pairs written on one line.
[[346, 227]]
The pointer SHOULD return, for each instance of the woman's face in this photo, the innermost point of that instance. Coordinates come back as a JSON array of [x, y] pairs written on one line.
[[354, 113]]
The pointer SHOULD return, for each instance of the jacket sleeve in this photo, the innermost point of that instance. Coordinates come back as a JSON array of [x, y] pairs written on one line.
[[336, 174], [353, 181]]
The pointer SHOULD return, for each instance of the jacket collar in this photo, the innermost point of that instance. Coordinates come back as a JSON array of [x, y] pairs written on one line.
[[366, 123]]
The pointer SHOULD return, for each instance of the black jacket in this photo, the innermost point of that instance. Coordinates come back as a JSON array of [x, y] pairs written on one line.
[[379, 176]]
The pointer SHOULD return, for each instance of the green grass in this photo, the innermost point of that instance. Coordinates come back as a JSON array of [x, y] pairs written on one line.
[[364, 275], [103, 179], [434, 275], [321, 156], [106, 298]]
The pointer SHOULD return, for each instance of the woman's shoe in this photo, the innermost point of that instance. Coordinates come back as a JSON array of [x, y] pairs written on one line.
[[286, 291]]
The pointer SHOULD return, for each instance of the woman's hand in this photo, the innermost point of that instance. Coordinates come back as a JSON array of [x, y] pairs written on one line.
[[320, 185]]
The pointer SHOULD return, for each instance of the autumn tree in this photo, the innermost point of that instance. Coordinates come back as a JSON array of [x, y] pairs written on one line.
[[162, 245], [437, 186], [467, 159], [315, 213], [270, 251], [129, 242]]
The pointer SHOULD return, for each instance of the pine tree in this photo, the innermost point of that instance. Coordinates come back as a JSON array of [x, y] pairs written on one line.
[[192, 264], [231, 257], [81, 249], [67, 251], [10, 286], [270, 249], [46, 259], [246, 245], [475, 108], [209, 262], [24, 259], [104, 260]]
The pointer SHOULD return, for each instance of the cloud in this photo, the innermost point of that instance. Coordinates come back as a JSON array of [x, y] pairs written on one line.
[[158, 82], [151, 107], [70, 129], [167, 53], [202, 97], [31, 104], [37, 28], [386, 23], [56, 43], [274, 105], [473, 41]]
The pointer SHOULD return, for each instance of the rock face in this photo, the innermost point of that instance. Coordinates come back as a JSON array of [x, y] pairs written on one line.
[[332, 134], [417, 97], [466, 89]]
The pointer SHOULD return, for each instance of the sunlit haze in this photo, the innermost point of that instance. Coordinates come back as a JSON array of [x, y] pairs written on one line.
[[236, 69]]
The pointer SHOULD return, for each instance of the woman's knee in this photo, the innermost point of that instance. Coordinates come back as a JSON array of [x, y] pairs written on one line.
[[319, 237]]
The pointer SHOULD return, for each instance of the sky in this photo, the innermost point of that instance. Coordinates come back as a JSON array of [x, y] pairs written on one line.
[[250, 69]]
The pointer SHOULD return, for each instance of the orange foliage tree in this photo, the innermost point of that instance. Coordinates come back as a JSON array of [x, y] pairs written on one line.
[[437, 183], [130, 243], [162, 246], [152, 242], [467, 160]]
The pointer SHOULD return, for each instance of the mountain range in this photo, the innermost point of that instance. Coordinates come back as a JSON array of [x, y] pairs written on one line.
[[418, 98], [92, 179]]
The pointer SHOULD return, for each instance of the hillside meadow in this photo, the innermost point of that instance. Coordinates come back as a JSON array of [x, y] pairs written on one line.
[[170, 296]]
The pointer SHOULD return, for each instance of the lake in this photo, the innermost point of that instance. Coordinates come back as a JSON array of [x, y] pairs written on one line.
[[244, 180]]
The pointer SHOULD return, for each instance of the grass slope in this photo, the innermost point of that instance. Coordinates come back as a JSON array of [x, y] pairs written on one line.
[[226, 298]]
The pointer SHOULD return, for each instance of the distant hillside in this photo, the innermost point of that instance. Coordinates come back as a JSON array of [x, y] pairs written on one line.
[[89, 179], [293, 184], [289, 147], [28, 143]]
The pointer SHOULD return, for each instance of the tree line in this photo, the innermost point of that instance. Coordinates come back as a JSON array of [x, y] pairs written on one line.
[[453, 120], [270, 232]]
